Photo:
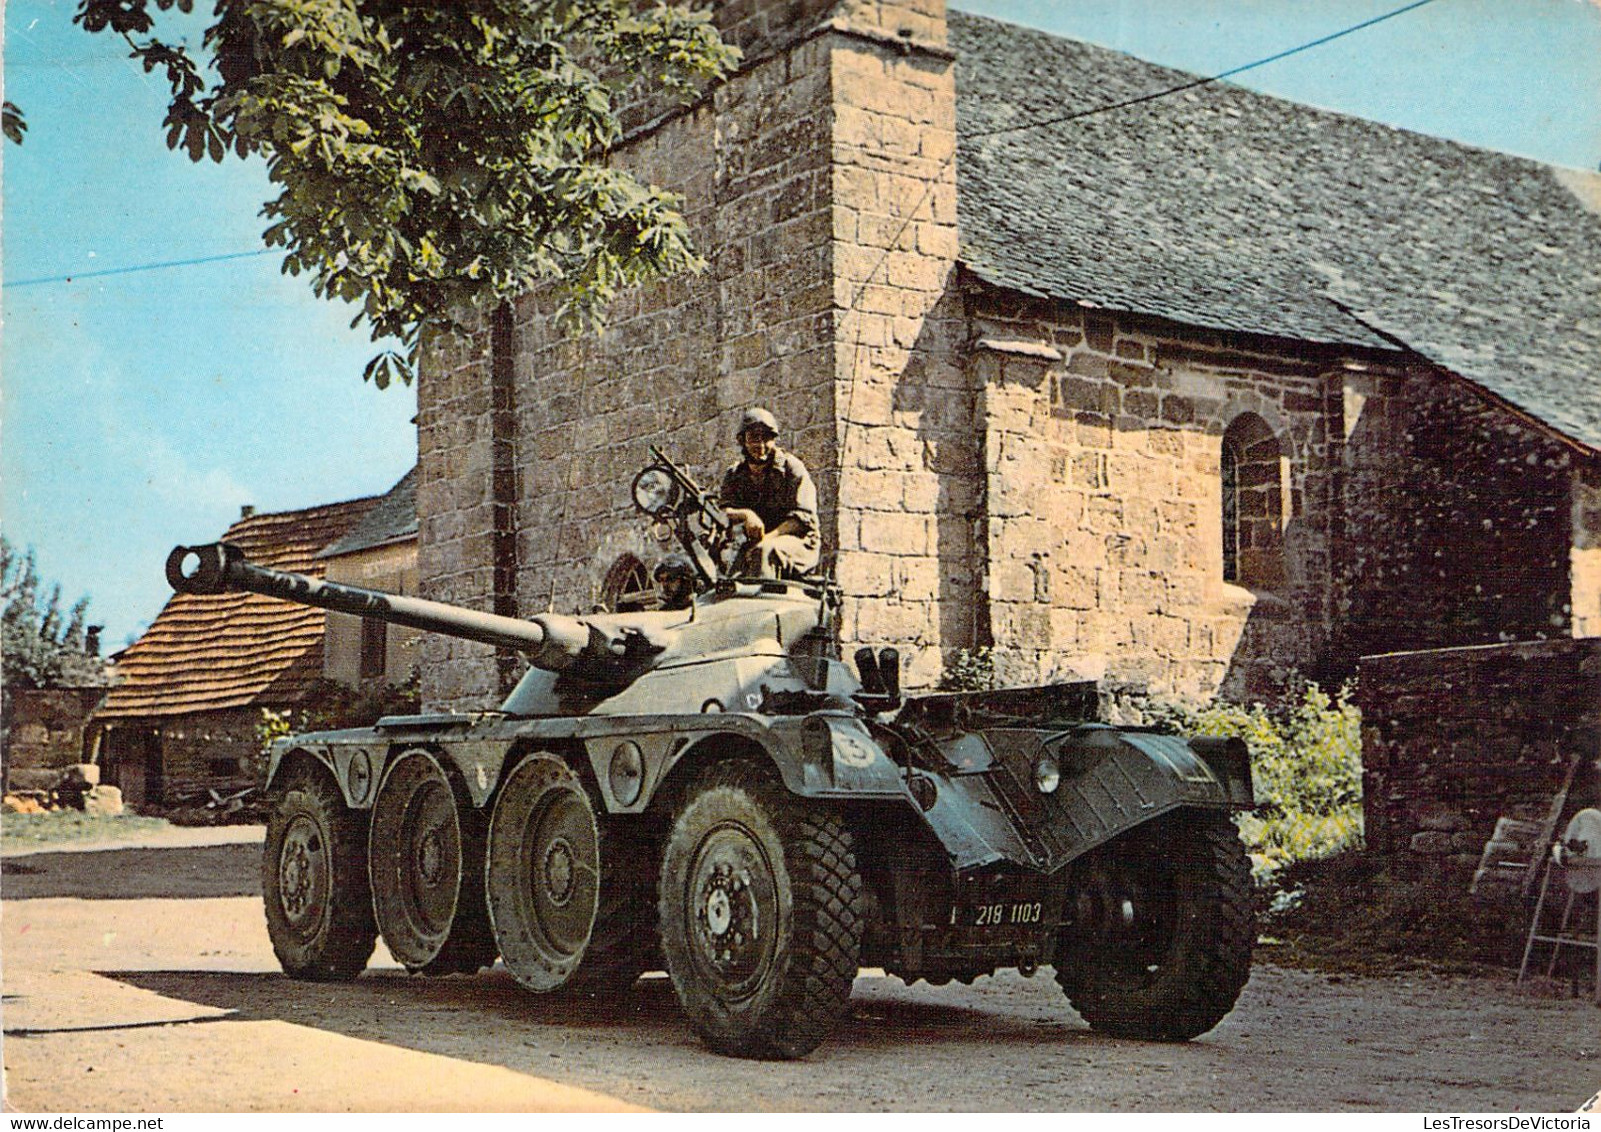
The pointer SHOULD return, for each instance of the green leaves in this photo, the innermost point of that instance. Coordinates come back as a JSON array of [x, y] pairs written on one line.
[[1306, 757], [435, 160], [41, 645], [15, 124]]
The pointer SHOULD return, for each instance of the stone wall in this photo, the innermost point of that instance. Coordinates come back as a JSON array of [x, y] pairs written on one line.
[[1452, 739], [1104, 533], [202, 748], [1460, 522], [908, 450], [456, 509], [820, 148], [45, 728], [157, 760]]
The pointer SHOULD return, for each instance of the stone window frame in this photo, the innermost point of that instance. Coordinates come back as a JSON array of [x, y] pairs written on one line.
[[1253, 473], [628, 586]]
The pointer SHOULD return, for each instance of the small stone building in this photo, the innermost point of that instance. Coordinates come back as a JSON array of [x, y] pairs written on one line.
[[185, 713], [47, 732], [1191, 393]]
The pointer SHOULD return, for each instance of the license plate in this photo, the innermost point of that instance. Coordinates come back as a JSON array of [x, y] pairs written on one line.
[[1005, 915]]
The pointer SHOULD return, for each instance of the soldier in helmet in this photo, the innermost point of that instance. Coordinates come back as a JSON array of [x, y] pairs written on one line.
[[675, 581], [770, 494]]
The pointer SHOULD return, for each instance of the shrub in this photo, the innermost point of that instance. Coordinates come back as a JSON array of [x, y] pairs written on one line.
[[1307, 761], [333, 705], [970, 670]]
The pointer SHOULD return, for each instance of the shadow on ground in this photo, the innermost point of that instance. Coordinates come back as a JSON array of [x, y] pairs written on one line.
[[489, 1018], [194, 873]]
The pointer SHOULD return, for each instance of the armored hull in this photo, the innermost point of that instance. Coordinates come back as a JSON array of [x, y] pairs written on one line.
[[714, 791]]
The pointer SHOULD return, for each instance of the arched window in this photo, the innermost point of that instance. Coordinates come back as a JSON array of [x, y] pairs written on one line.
[[628, 588], [1253, 471]]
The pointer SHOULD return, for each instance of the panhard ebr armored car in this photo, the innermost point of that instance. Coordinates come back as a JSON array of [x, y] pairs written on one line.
[[712, 791]]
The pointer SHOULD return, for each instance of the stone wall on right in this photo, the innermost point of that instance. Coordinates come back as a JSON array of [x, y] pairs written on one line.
[[1106, 518], [1459, 523], [1452, 739]]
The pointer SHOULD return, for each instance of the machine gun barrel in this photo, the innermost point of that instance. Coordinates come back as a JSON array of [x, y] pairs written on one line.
[[220, 567]]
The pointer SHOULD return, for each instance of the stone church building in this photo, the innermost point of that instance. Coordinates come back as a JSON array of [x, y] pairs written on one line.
[[1189, 392]]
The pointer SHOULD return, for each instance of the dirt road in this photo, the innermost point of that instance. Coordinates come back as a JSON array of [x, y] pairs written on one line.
[[141, 979]]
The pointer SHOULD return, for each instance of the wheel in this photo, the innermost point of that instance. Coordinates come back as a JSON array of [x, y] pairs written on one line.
[[542, 876], [1156, 942], [425, 854], [314, 881], [761, 915], [623, 941]]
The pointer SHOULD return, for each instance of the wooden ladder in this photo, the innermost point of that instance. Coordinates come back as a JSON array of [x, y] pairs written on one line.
[[1514, 853]]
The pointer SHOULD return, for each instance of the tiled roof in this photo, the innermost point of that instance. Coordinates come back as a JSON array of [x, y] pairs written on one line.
[[1226, 209], [392, 519], [207, 652]]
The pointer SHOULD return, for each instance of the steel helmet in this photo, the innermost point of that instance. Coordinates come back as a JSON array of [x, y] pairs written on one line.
[[751, 418]]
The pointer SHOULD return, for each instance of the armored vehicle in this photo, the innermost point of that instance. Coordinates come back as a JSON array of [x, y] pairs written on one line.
[[713, 791]]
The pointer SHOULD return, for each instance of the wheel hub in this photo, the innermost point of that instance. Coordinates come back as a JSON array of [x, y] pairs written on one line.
[[301, 873], [719, 913], [559, 872], [295, 880], [1126, 910], [728, 915], [431, 858]]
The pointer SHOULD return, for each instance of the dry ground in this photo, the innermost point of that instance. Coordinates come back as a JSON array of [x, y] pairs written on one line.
[[140, 978]]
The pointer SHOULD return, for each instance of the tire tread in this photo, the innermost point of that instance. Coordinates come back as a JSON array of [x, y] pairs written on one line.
[[1207, 978], [816, 975], [352, 933]]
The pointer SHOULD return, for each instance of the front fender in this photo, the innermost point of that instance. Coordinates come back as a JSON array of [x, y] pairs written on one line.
[[990, 806], [355, 760]]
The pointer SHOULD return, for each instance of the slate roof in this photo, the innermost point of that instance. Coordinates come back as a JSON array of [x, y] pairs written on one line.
[[1226, 209], [392, 519], [207, 652]]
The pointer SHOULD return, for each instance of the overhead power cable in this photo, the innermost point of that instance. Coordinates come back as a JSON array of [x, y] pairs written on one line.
[[1035, 124], [1200, 82], [76, 275]]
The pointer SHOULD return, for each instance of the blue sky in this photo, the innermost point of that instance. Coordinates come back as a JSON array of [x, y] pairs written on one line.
[[143, 409]]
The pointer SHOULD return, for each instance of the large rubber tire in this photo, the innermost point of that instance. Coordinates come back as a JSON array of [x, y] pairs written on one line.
[[542, 877], [1156, 941], [425, 860], [623, 942], [314, 881], [761, 915]]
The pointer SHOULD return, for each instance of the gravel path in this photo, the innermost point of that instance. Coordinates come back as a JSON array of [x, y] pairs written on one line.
[[140, 978]]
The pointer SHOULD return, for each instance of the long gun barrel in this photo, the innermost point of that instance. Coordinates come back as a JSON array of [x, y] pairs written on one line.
[[549, 641]]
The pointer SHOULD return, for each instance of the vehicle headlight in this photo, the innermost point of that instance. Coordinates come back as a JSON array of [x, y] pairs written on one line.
[[655, 492], [1047, 775]]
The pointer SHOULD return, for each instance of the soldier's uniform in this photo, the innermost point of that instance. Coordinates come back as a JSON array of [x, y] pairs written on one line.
[[778, 490]]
